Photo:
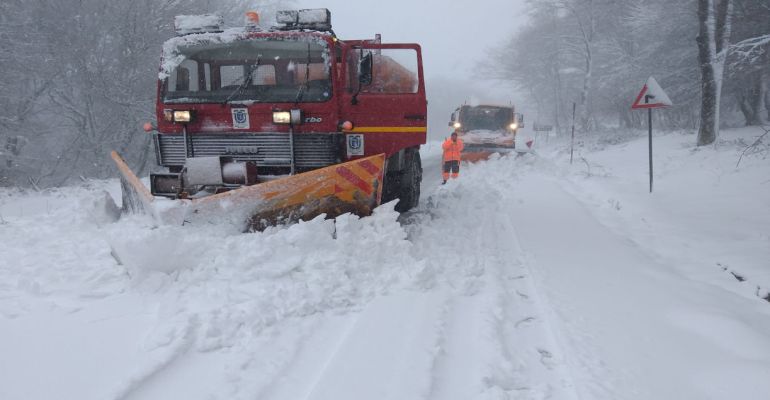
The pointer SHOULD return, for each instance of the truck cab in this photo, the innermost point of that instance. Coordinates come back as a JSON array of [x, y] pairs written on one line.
[[268, 102]]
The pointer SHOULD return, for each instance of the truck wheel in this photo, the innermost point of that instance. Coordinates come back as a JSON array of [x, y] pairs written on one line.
[[409, 184], [390, 190]]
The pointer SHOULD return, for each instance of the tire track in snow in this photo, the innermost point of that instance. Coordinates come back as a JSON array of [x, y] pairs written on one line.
[[383, 351], [593, 379], [535, 322], [496, 341], [310, 359]]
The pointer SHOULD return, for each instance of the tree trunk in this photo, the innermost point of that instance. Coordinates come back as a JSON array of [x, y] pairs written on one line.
[[764, 96], [585, 112], [751, 100], [714, 32]]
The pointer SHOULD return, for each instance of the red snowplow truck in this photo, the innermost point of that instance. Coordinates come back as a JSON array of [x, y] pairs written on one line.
[[282, 123], [487, 129]]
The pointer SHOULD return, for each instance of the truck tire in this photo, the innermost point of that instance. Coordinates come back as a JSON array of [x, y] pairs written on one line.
[[404, 184], [409, 184]]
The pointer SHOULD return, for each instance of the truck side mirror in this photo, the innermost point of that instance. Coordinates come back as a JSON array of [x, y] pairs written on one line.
[[365, 70], [521, 120]]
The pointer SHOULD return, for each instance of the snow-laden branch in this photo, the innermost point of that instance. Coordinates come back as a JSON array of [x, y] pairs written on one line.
[[749, 49]]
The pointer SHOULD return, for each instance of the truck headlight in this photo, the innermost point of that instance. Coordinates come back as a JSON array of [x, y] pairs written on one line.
[[293, 116], [513, 126], [281, 117], [457, 125], [182, 116]]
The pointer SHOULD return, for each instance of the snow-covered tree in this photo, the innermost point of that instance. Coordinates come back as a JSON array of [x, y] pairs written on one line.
[[598, 54], [748, 61], [715, 25], [79, 77]]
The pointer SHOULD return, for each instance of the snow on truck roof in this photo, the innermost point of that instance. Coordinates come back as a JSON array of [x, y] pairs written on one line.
[[489, 105], [172, 56], [187, 24]]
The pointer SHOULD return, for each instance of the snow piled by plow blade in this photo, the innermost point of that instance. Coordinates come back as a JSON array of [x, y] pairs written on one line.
[[351, 187]]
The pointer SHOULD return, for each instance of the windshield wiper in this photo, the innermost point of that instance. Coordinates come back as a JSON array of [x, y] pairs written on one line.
[[246, 82], [305, 84]]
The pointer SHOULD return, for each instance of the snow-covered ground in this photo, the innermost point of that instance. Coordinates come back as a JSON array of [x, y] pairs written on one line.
[[526, 278]]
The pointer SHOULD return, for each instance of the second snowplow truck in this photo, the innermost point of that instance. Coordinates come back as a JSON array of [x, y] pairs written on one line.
[[263, 125], [487, 129]]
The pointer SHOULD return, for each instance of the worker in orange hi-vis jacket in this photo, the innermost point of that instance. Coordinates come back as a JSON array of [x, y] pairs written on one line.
[[453, 146]]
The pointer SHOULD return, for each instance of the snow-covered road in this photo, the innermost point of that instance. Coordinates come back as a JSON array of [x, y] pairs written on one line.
[[504, 284]]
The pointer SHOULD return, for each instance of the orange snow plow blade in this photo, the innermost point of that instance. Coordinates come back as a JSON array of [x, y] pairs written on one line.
[[483, 153], [136, 197], [354, 186], [475, 156]]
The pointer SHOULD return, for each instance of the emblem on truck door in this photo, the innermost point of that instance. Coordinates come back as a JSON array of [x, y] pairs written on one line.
[[355, 145], [240, 118]]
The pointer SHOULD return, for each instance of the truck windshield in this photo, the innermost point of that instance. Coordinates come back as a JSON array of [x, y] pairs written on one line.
[[485, 118], [247, 71]]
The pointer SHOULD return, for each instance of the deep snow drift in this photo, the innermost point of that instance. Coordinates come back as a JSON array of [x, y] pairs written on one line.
[[525, 278]]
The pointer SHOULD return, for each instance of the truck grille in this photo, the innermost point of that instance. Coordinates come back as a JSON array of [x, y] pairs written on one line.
[[266, 149]]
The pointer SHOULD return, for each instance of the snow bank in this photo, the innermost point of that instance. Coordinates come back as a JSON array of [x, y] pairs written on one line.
[[706, 214], [301, 269], [196, 290], [441, 302]]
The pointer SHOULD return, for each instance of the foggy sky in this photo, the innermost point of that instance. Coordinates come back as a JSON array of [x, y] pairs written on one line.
[[453, 34]]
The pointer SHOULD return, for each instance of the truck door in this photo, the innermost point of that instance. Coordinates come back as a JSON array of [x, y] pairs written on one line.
[[384, 98]]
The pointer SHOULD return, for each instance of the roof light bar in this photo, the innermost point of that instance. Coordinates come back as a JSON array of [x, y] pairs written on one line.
[[315, 18]]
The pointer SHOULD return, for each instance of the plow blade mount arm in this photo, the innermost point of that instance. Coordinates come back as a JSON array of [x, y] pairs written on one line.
[[354, 186]]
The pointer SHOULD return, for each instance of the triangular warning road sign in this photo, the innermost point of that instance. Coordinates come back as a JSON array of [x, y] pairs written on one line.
[[651, 96]]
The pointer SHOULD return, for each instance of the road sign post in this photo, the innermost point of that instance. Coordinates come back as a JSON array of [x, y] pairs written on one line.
[[572, 141], [651, 96], [649, 129]]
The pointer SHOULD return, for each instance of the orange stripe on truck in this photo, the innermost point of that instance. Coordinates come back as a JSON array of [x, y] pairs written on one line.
[[390, 129]]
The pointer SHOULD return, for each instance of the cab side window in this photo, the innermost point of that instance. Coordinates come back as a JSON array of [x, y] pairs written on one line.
[[393, 71]]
